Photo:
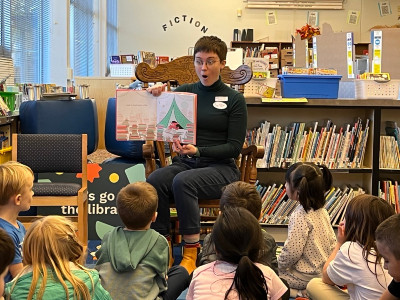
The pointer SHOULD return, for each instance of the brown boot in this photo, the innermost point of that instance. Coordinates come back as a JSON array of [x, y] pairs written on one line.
[[189, 256], [170, 251]]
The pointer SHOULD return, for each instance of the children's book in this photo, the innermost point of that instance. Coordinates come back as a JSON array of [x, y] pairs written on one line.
[[141, 116]]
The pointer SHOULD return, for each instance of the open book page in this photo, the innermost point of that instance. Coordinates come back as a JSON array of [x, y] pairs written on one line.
[[141, 116]]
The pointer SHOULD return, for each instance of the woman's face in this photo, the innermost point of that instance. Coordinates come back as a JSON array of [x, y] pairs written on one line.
[[208, 67]]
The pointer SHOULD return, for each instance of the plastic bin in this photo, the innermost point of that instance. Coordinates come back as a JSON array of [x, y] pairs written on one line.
[[371, 89], [310, 86], [5, 154], [9, 99]]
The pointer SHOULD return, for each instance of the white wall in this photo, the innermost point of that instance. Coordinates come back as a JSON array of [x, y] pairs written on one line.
[[141, 22]]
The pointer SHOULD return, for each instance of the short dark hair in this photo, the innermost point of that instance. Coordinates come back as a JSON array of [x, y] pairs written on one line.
[[211, 44], [136, 204], [388, 233], [7, 250], [308, 181], [241, 194]]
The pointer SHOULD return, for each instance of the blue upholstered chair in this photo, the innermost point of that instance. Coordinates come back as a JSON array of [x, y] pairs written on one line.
[[50, 153], [61, 117]]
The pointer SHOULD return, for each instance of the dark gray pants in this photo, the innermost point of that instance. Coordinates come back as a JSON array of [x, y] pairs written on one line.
[[184, 182]]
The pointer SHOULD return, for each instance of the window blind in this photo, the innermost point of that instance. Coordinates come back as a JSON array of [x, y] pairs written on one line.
[[25, 36], [82, 37], [112, 30]]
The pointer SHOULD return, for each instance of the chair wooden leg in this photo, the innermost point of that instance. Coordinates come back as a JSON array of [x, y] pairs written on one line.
[[83, 221]]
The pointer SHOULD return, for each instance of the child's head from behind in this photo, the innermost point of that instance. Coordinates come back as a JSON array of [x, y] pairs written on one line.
[[241, 194], [305, 183], [237, 238], [363, 215], [51, 241], [7, 252], [137, 205], [16, 181], [388, 243]]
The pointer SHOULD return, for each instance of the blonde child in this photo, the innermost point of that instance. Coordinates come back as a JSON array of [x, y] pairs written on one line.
[[310, 235], [16, 182], [235, 274], [388, 244], [52, 256], [355, 261]]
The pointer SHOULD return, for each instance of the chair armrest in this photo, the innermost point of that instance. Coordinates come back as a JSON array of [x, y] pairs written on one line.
[[248, 162], [149, 156]]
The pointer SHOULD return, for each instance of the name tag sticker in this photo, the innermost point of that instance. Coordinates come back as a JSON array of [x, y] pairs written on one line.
[[219, 105], [221, 98]]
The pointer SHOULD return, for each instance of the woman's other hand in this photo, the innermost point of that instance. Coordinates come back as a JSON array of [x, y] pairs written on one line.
[[156, 90]]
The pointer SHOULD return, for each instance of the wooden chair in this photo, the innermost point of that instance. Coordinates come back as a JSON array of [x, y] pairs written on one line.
[[181, 70], [50, 153]]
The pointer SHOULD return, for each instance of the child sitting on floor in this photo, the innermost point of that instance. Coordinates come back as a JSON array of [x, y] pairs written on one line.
[[7, 252], [236, 275], [133, 260], [310, 235], [53, 270], [242, 194], [355, 261], [388, 244], [16, 182]]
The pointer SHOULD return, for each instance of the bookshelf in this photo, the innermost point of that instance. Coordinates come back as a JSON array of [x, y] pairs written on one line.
[[341, 112]]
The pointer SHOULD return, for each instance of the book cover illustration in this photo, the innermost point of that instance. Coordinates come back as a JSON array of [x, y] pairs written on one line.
[[169, 117]]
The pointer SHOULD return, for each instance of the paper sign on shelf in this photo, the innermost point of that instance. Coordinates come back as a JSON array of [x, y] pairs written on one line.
[[349, 45], [314, 45], [377, 51]]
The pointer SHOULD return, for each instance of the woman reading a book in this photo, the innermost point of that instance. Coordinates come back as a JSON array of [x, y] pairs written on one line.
[[201, 170], [355, 261]]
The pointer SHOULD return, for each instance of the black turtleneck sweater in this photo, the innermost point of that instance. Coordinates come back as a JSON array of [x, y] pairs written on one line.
[[220, 131]]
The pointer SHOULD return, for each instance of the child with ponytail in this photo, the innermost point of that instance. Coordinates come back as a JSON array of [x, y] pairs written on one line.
[[311, 238], [235, 275]]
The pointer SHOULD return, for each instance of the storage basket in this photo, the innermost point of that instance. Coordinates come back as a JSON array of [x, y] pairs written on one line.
[[9, 99], [371, 89], [310, 86], [5, 154]]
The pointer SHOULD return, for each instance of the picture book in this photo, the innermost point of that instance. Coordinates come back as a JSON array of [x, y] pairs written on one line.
[[141, 116]]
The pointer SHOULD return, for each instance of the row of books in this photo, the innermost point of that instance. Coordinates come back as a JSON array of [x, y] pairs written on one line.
[[336, 147], [389, 191], [277, 207], [389, 155]]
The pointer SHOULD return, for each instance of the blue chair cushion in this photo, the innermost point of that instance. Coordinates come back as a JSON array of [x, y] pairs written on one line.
[[56, 189], [62, 117]]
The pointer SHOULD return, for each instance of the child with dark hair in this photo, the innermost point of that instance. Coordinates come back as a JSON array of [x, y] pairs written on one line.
[[355, 261], [133, 260], [310, 235], [242, 194], [236, 274], [388, 244], [7, 252]]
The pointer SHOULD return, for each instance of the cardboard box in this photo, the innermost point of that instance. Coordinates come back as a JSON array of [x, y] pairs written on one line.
[[274, 73], [285, 63], [285, 52]]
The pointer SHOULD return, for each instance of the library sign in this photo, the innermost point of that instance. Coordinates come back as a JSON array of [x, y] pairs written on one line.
[[104, 183], [184, 19]]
